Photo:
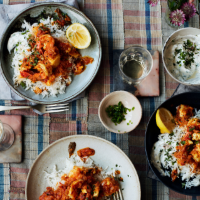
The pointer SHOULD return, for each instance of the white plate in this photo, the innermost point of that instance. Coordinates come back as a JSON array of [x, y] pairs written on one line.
[[106, 154]]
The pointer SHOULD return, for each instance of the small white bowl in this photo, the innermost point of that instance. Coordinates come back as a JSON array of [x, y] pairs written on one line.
[[180, 32], [133, 117]]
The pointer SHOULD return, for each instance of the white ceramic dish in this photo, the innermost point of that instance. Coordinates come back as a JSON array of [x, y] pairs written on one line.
[[106, 154], [79, 82], [129, 101], [180, 32]]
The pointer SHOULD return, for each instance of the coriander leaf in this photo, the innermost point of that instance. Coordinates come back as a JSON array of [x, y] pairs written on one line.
[[183, 185], [182, 142], [171, 134], [191, 129], [23, 85]]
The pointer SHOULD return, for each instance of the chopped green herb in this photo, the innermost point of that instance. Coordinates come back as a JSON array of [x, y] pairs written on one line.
[[169, 142], [171, 134], [178, 50], [173, 162], [23, 85], [25, 32], [133, 108], [191, 129], [183, 185], [182, 142], [117, 113]]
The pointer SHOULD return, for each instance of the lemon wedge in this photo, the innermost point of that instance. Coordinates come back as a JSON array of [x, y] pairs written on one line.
[[78, 35], [164, 120]]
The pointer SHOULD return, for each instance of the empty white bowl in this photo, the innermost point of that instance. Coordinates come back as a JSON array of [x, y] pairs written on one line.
[[133, 117]]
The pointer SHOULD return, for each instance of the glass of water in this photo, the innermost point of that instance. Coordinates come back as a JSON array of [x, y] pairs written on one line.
[[7, 136], [135, 64]]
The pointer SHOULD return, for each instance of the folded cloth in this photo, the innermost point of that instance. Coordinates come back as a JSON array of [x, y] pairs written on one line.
[[7, 12], [180, 89]]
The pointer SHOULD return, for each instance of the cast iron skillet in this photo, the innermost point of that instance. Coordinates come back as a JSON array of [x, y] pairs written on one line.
[[152, 132]]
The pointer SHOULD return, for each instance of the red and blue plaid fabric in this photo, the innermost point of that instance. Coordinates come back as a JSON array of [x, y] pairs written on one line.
[[120, 24]]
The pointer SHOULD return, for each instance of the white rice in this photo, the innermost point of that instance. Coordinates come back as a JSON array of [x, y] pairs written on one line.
[[162, 157], [18, 42], [54, 178]]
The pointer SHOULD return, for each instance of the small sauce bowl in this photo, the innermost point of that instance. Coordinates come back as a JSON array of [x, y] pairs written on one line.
[[129, 101]]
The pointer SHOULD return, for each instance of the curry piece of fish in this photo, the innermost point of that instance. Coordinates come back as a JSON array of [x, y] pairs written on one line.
[[85, 153], [71, 148]]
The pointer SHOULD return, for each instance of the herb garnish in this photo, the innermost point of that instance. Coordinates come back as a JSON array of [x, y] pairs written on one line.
[[187, 54], [25, 32], [23, 85], [183, 185], [117, 113], [171, 134], [191, 129], [182, 142]]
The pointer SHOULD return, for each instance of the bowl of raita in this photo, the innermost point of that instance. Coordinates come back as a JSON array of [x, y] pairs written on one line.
[[181, 56]]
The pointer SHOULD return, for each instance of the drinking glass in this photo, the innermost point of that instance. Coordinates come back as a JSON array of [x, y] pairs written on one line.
[[142, 56], [7, 136]]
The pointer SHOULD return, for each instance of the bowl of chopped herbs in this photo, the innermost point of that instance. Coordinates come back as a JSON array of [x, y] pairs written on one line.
[[120, 112]]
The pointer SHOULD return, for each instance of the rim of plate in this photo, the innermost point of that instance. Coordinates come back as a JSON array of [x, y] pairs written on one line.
[[97, 66], [110, 129], [149, 158], [91, 136], [164, 46]]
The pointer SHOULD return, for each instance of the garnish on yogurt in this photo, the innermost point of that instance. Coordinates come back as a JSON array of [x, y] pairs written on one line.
[[186, 54]]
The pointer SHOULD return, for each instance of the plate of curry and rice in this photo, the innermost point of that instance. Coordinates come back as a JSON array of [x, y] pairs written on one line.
[[40, 60], [88, 167], [173, 143]]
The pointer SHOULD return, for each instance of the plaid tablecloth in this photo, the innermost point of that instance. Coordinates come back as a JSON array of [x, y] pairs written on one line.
[[120, 25]]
